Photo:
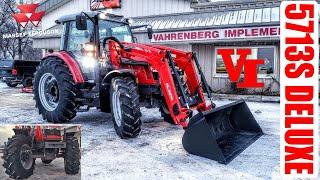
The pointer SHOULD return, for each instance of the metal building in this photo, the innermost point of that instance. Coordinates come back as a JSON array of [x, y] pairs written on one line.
[[199, 26]]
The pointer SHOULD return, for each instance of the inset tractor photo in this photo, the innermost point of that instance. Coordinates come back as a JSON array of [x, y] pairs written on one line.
[[40, 152]]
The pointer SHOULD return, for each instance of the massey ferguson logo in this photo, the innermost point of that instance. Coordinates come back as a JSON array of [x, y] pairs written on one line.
[[28, 14], [248, 66]]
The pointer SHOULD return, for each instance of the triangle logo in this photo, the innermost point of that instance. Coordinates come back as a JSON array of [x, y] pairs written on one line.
[[35, 23], [23, 24], [29, 15]]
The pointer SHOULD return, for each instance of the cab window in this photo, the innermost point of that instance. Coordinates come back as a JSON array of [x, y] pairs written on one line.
[[78, 38]]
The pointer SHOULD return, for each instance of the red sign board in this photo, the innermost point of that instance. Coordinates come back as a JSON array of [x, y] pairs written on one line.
[[217, 34], [249, 66], [105, 4]]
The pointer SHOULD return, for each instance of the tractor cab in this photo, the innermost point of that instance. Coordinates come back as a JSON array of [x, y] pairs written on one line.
[[86, 31]]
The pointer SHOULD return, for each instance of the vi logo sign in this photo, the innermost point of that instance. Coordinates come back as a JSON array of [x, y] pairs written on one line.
[[248, 66], [28, 14]]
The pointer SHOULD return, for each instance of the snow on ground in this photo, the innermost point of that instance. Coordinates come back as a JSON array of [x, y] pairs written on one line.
[[157, 153], [54, 170]]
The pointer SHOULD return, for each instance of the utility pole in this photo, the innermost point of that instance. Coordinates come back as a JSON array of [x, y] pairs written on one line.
[[20, 39]]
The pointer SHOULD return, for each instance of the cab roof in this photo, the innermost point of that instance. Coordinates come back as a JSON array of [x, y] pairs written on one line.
[[72, 17]]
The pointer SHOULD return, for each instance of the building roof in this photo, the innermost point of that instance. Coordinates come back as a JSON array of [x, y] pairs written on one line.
[[232, 4], [51, 5], [91, 14], [221, 19]]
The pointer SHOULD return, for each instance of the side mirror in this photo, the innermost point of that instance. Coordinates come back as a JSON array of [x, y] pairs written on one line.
[[150, 32], [81, 22]]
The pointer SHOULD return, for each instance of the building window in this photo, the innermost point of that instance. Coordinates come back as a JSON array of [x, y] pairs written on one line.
[[266, 53]]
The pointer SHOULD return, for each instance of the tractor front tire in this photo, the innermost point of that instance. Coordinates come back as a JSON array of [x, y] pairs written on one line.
[[17, 155], [72, 156], [55, 91], [125, 107]]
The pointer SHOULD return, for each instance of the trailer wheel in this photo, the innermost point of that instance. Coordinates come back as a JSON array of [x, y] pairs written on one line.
[[45, 161], [165, 113], [125, 107], [11, 84], [17, 155], [72, 156], [54, 91]]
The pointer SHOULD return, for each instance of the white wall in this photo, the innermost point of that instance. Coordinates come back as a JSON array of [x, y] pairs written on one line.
[[130, 8], [136, 8], [72, 7]]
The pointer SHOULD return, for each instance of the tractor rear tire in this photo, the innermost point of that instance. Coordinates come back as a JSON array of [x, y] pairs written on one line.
[[72, 156], [166, 115], [45, 161], [11, 84], [125, 107], [18, 165], [55, 91]]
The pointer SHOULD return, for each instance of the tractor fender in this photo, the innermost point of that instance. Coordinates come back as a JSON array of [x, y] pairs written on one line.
[[115, 73], [72, 64]]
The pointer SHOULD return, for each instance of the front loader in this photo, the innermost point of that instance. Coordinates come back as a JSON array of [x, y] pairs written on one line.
[[100, 65], [44, 142]]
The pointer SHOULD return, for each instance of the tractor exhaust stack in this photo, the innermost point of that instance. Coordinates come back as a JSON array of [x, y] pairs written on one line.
[[222, 133]]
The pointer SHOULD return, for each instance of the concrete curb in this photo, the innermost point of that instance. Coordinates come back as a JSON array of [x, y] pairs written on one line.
[[249, 98]]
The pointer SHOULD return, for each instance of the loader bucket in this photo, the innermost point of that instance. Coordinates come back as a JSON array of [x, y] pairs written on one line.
[[222, 133]]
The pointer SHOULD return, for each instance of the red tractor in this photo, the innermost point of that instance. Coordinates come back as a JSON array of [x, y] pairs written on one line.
[[100, 65], [47, 143]]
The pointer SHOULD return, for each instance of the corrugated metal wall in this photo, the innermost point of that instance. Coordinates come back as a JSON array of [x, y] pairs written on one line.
[[129, 8], [136, 8], [184, 47], [205, 54], [71, 7], [52, 43]]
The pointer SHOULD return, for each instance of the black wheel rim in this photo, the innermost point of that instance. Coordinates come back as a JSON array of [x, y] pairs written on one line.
[[26, 158]]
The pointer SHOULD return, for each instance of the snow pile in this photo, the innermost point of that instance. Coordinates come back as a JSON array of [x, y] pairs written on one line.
[[3, 85], [157, 153]]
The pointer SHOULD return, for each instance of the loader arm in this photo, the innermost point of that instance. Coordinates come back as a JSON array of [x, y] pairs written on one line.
[[217, 133], [187, 62], [159, 60]]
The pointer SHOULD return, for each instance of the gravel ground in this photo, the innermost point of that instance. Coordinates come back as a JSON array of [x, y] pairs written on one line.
[[54, 170], [157, 153]]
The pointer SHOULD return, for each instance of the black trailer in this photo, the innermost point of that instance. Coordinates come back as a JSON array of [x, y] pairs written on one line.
[[15, 72]]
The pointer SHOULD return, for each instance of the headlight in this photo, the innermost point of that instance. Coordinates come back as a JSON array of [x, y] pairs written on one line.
[[102, 16], [88, 62], [89, 47]]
